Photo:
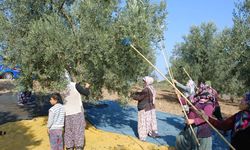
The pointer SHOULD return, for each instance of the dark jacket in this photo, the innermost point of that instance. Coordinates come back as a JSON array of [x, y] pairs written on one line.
[[240, 140], [145, 99]]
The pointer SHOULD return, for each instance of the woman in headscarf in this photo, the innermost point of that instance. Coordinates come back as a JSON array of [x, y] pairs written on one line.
[[74, 115], [189, 92], [189, 89], [217, 109], [239, 123], [186, 140], [147, 124]]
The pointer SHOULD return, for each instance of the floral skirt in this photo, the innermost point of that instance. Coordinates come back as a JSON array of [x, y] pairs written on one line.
[[74, 130], [146, 123], [56, 139]]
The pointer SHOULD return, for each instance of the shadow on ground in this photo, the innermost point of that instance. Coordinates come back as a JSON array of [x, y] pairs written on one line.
[[16, 131], [110, 116], [170, 98], [10, 111]]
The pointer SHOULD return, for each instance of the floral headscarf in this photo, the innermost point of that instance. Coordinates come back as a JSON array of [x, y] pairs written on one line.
[[242, 120]]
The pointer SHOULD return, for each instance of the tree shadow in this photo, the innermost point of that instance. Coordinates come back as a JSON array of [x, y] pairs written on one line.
[[178, 123], [134, 125], [17, 135], [42, 105], [110, 115], [38, 106], [168, 90], [218, 143], [174, 124], [170, 98], [174, 121], [231, 103], [169, 139], [10, 111], [7, 117]]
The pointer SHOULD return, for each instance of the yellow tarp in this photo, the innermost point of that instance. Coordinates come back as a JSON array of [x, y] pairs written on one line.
[[32, 135]]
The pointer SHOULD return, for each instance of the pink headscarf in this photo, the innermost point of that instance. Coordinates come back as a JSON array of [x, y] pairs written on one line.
[[149, 81]]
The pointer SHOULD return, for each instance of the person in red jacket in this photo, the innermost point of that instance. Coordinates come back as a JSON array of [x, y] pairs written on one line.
[[239, 123]]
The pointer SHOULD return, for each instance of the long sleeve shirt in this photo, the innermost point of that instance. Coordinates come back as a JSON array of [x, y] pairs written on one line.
[[73, 100], [225, 125], [203, 128], [145, 97], [81, 90], [56, 117], [144, 94], [207, 108], [187, 90], [240, 139]]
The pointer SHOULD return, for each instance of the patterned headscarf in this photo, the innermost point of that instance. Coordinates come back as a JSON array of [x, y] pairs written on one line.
[[149, 81], [206, 92], [242, 120]]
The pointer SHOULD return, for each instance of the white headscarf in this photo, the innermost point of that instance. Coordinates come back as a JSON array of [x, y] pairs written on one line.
[[67, 76], [149, 81], [69, 82], [191, 85]]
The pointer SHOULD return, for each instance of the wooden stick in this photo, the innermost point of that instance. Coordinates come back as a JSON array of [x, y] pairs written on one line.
[[187, 73], [183, 96], [179, 98]]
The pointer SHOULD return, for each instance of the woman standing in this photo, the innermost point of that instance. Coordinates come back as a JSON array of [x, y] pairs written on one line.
[[147, 124], [189, 92], [74, 119]]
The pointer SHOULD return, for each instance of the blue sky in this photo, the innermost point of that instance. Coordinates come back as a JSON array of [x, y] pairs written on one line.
[[182, 14]]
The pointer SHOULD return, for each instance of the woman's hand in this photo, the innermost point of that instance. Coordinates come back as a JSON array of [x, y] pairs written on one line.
[[87, 85], [190, 121]]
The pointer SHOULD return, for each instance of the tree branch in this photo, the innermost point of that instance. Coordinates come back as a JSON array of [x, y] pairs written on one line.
[[60, 9]]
